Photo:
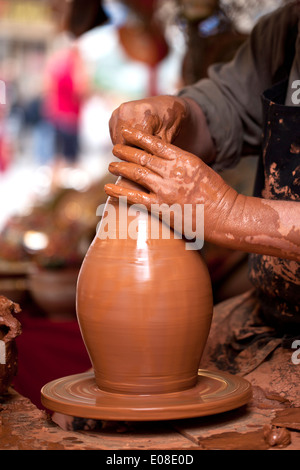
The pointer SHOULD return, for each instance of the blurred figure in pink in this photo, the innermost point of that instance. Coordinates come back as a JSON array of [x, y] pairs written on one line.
[[66, 87]]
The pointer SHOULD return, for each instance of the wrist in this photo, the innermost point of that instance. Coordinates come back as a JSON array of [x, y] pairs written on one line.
[[194, 134], [223, 225]]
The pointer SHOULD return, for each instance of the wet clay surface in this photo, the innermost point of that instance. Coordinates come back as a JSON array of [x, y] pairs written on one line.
[[144, 306], [261, 439], [24, 427], [161, 116], [288, 418], [78, 395]]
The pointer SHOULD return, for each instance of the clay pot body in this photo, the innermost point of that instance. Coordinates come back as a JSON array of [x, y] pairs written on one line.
[[144, 307]]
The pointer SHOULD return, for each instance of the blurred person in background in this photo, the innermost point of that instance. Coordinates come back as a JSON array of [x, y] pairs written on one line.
[[65, 90]]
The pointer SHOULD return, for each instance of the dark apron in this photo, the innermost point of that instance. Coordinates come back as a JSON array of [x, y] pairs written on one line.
[[247, 329], [277, 281]]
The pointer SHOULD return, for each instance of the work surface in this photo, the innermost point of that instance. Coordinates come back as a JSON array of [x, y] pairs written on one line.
[[25, 427], [275, 405]]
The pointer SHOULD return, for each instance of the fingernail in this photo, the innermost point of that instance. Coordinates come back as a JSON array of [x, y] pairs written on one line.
[[112, 168], [117, 146], [109, 189], [117, 149]]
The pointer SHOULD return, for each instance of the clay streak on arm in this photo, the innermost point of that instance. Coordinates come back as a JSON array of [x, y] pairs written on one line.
[[262, 226]]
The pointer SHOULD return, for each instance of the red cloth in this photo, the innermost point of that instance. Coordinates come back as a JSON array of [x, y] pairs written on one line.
[[47, 350]]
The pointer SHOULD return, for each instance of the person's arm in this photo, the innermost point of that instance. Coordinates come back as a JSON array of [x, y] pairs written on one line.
[[173, 176], [230, 97], [255, 225]]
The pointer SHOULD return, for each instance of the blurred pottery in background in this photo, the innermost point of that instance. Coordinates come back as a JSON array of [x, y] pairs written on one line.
[[144, 307], [14, 288], [13, 280], [54, 290]]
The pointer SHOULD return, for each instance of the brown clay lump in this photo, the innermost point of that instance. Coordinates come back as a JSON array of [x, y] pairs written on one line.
[[275, 436], [10, 327]]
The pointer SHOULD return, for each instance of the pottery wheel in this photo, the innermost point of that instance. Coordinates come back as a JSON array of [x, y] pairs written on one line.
[[78, 395]]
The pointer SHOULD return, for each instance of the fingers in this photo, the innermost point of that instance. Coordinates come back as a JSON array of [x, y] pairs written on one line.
[[151, 144], [115, 128], [133, 196], [135, 114], [138, 174], [140, 157]]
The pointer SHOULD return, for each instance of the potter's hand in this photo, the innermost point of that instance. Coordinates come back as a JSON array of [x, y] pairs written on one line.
[[171, 176], [173, 119], [159, 115], [232, 220]]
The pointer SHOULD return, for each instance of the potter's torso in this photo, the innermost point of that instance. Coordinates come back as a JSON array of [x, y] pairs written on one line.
[[277, 280]]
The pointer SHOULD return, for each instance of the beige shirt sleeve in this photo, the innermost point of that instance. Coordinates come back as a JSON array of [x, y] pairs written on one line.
[[231, 95]]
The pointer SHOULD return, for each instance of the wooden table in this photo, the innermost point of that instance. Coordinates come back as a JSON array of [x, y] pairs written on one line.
[[25, 427]]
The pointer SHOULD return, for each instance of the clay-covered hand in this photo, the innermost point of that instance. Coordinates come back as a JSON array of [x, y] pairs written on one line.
[[158, 115], [170, 176], [176, 177]]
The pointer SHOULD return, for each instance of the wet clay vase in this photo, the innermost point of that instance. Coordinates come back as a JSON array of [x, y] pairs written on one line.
[[144, 306]]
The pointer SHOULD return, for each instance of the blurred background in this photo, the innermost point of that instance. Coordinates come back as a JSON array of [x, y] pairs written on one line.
[[65, 65]]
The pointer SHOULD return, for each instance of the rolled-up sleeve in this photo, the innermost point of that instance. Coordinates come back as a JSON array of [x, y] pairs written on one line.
[[231, 95]]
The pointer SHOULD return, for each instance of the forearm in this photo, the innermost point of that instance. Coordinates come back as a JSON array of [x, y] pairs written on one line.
[[255, 225], [194, 135]]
